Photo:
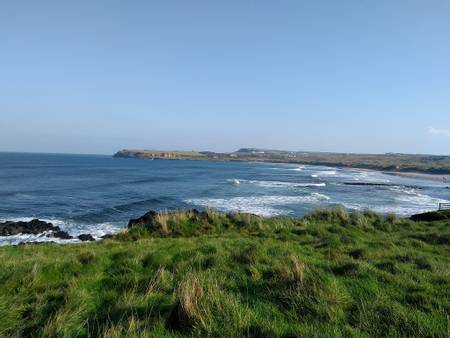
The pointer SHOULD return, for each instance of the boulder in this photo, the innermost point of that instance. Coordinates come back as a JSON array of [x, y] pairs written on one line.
[[148, 218], [86, 237], [61, 234], [33, 227]]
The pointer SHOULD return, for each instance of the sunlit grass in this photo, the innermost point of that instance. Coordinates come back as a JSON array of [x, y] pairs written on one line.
[[209, 274]]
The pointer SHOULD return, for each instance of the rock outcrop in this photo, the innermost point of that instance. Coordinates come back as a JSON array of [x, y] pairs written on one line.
[[442, 215], [151, 218], [38, 227], [148, 218], [33, 227], [86, 237]]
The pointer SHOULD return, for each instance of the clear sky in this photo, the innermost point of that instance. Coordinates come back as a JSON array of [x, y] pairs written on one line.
[[351, 76]]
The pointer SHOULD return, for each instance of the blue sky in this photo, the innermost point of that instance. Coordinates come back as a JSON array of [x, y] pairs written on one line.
[[350, 76]]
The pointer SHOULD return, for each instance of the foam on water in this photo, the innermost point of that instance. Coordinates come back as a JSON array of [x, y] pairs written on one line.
[[289, 167], [97, 230], [258, 205], [277, 184], [326, 173], [300, 168], [99, 194], [406, 202]]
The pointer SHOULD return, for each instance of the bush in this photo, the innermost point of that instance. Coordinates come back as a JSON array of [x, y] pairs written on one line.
[[86, 257]]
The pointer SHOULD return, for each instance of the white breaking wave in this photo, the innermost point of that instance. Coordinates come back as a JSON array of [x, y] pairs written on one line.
[[420, 199], [407, 202], [300, 168], [311, 184], [352, 174], [16, 239], [97, 230], [259, 205], [278, 184], [288, 167], [325, 173]]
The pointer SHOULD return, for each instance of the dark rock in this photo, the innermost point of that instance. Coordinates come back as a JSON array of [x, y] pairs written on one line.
[[33, 227], [86, 237], [441, 215], [61, 234], [148, 218], [33, 243]]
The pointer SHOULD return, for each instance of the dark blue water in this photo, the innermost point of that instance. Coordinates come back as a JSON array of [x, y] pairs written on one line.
[[99, 194]]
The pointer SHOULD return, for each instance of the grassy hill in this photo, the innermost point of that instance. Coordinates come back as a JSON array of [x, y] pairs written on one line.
[[328, 274]]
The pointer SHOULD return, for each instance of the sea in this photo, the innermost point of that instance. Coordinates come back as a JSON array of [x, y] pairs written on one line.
[[98, 194]]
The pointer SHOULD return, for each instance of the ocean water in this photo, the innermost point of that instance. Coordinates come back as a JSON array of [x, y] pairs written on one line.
[[99, 194]]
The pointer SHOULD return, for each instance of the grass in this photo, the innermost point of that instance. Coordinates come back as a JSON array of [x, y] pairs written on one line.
[[329, 274]]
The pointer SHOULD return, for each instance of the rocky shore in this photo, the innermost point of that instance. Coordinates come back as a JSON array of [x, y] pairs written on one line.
[[39, 228], [151, 220]]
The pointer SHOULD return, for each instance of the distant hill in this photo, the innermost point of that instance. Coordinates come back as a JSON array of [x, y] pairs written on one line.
[[432, 164]]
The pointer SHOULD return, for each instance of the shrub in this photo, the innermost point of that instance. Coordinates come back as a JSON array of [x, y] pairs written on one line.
[[333, 215], [187, 311], [86, 257], [293, 271]]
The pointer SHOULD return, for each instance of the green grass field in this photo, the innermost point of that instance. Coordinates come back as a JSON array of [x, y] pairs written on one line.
[[330, 274]]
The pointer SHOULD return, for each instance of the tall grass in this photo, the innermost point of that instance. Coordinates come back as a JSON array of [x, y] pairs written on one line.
[[330, 274]]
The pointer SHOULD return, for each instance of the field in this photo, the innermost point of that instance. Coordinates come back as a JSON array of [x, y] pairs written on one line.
[[329, 274]]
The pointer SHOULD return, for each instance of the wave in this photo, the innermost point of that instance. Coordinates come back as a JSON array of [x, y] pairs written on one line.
[[276, 184], [405, 202], [156, 179], [327, 172], [22, 238], [97, 230], [289, 167], [150, 202], [421, 199], [300, 168], [352, 175], [260, 205]]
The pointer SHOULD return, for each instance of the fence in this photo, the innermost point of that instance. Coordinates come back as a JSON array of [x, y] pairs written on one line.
[[444, 206]]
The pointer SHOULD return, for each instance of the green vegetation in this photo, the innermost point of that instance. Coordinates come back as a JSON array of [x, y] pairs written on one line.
[[431, 164], [329, 274]]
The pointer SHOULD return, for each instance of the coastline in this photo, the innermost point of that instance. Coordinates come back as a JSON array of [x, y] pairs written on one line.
[[443, 178], [418, 174], [436, 168]]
